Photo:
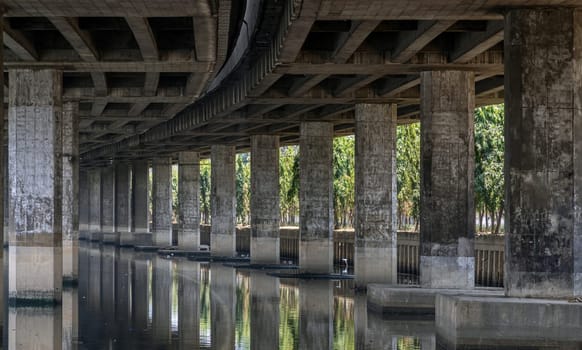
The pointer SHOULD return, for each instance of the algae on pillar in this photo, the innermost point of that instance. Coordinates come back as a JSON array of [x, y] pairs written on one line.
[[223, 197], [35, 186], [543, 149], [316, 197], [375, 194], [447, 208], [265, 212]]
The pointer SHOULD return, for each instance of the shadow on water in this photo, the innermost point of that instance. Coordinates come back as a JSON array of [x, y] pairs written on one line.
[[137, 300]]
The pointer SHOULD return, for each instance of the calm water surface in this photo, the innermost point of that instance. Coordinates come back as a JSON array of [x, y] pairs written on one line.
[[134, 300]]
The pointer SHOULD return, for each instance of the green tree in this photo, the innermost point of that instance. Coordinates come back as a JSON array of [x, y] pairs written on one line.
[[205, 182], [408, 173], [289, 184], [489, 158], [343, 180], [243, 188]]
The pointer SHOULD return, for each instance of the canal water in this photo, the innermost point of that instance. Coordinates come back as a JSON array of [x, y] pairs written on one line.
[[136, 300]]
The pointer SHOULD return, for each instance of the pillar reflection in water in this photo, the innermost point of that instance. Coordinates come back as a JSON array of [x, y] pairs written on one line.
[[222, 301], [316, 315], [34, 328], [188, 303], [162, 288], [205, 317], [70, 318], [401, 333], [140, 291], [94, 290], [265, 297], [123, 280], [108, 273]]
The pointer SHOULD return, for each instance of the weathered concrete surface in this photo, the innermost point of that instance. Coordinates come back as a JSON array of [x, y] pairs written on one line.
[[162, 201], [94, 183], [139, 197], [375, 259], [316, 197], [543, 148], [223, 306], [315, 314], [70, 191], [264, 311], [189, 299], [223, 197], [35, 185], [447, 219], [189, 200], [108, 199], [494, 322], [265, 211], [414, 300], [122, 195], [83, 201]]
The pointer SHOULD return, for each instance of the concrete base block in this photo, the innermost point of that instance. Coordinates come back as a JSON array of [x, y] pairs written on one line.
[[126, 239], [405, 300], [110, 238], [162, 238], [447, 272], [222, 245], [465, 321], [142, 239], [265, 250], [316, 256], [375, 265], [96, 236]]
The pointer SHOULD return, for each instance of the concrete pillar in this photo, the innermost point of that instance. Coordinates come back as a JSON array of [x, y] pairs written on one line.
[[108, 199], [189, 304], [122, 195], [94, 182], [70, 192], [265, 211], [543, 167], [264, 311], [375, 187], [162, 201], [83, 201], [139, 197], [222, 306], [189, 200], [223, 198], [316, 197], [315, 314], [35, 186], [447, 213]]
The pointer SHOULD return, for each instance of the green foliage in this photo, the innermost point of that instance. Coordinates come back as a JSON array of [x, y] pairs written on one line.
[[343, 180], [289, 183], [408, 171], [489, 155], [243, 188], [205, 182]]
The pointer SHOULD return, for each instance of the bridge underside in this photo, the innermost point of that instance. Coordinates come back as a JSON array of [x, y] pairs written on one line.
[[108, 88]]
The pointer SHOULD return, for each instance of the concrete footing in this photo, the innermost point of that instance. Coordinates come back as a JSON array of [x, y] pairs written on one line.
[[406, 300], [465, 321]]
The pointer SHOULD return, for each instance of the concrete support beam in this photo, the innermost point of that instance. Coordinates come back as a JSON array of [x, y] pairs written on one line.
[[189, 200], [162, 201], [122, 195], [469, 45], [70, 191], [375, 202], [265, 212], [223, 198], [139, 197], [94, 183], [316, 197], [35, 186], [447, 212], [409, 44], [543, 164], [108, 199]]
